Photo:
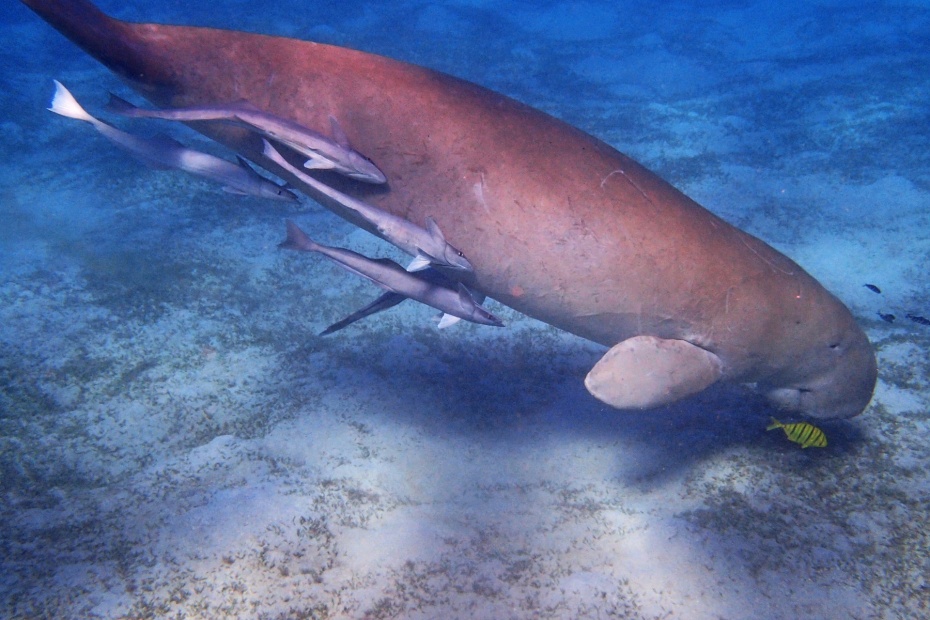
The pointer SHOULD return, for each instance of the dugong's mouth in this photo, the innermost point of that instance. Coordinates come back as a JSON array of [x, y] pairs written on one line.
[[833, 378], [824, 400], [792, 399]]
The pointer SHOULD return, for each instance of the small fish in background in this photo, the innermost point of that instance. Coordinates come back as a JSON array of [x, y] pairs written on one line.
[[887, 317], [802, 433], [918, 319], [873, 288], [165, 152]]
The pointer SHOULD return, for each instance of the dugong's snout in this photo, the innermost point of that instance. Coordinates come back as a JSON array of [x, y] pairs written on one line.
[[837, 379]]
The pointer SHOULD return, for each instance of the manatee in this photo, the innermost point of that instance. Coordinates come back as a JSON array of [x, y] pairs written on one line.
[[557, 224]]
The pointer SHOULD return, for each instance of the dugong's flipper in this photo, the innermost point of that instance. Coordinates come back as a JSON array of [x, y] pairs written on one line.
[[646, 371]]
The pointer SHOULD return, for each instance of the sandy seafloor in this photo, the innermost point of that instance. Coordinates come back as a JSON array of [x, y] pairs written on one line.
[[177, 442]]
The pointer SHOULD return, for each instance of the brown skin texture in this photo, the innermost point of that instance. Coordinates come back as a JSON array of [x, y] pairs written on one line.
[[558, 224]]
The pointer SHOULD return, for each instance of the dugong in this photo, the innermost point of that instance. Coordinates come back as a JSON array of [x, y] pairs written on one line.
[[557, 224]]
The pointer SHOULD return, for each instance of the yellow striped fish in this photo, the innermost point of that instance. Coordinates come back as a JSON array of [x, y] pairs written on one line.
[[801, 432]]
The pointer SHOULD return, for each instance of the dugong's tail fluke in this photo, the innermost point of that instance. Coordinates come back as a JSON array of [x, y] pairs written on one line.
[[70, 13], [114, 43]]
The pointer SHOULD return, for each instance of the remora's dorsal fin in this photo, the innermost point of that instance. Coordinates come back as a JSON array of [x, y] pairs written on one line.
[[434, 230], [339, 136], [167, 141], [465, 297], [120, 106], [245, 165], [420, 262], [645, 371], [167, 144]]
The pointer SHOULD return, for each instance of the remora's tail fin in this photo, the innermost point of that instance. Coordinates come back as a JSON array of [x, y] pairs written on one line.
[[120, 106], [64, 103], [118, 45], [297, 239]]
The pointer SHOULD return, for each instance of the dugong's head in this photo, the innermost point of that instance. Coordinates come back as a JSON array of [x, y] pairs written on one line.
[[833, 371]]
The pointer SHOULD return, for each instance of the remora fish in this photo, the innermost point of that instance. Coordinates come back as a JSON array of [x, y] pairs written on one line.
[[164, 152], [392, 277], [426, 245], [390, 299], [323, 153]]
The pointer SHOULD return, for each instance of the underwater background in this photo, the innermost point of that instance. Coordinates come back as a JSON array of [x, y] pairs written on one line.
[[177, 441]]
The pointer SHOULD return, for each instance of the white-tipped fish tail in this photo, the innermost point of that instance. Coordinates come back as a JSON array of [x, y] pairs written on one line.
[[322, 152], [165, 152]]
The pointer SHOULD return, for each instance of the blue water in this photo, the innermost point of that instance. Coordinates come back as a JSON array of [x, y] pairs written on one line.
[[176, 441]]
